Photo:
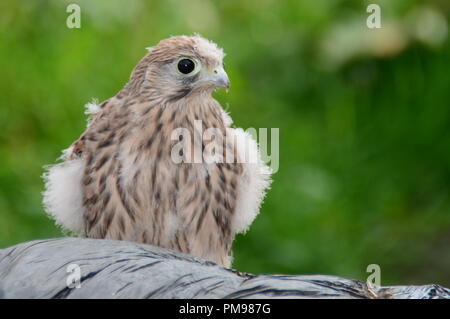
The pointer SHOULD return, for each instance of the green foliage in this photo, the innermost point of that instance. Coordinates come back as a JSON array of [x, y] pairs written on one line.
[[364, 120]]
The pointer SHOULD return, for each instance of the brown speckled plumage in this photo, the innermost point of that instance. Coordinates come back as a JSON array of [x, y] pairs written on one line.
[[130, 187]]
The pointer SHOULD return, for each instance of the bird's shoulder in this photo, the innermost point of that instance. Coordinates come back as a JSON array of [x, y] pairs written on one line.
[[112, 120], [98, 114]]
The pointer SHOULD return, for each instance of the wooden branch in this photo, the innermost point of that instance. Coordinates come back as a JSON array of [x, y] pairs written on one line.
[[120, 269]]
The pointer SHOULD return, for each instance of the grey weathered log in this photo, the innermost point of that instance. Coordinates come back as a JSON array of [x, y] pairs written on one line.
[[120, 269]]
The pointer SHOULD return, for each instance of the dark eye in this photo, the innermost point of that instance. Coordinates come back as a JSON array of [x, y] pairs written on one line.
[[186, 66]]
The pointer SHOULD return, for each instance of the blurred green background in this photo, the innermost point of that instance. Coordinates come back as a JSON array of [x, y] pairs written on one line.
[[364, 119]]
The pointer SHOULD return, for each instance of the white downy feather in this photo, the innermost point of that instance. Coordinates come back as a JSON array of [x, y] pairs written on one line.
[[63, 191], [63, 194], [253, 184]]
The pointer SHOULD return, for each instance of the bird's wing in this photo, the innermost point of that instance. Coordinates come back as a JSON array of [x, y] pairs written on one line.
[[252, 184], [63, 192]]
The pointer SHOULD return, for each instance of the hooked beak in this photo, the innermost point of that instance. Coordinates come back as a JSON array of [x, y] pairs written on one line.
[[218, 78]]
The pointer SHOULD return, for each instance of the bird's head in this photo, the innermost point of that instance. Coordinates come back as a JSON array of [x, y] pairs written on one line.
[[180, 66]]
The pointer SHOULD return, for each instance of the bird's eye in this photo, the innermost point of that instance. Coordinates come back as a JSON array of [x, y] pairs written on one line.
[[186, 66]]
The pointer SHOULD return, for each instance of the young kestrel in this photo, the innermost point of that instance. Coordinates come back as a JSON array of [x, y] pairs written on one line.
[[121, 180]]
